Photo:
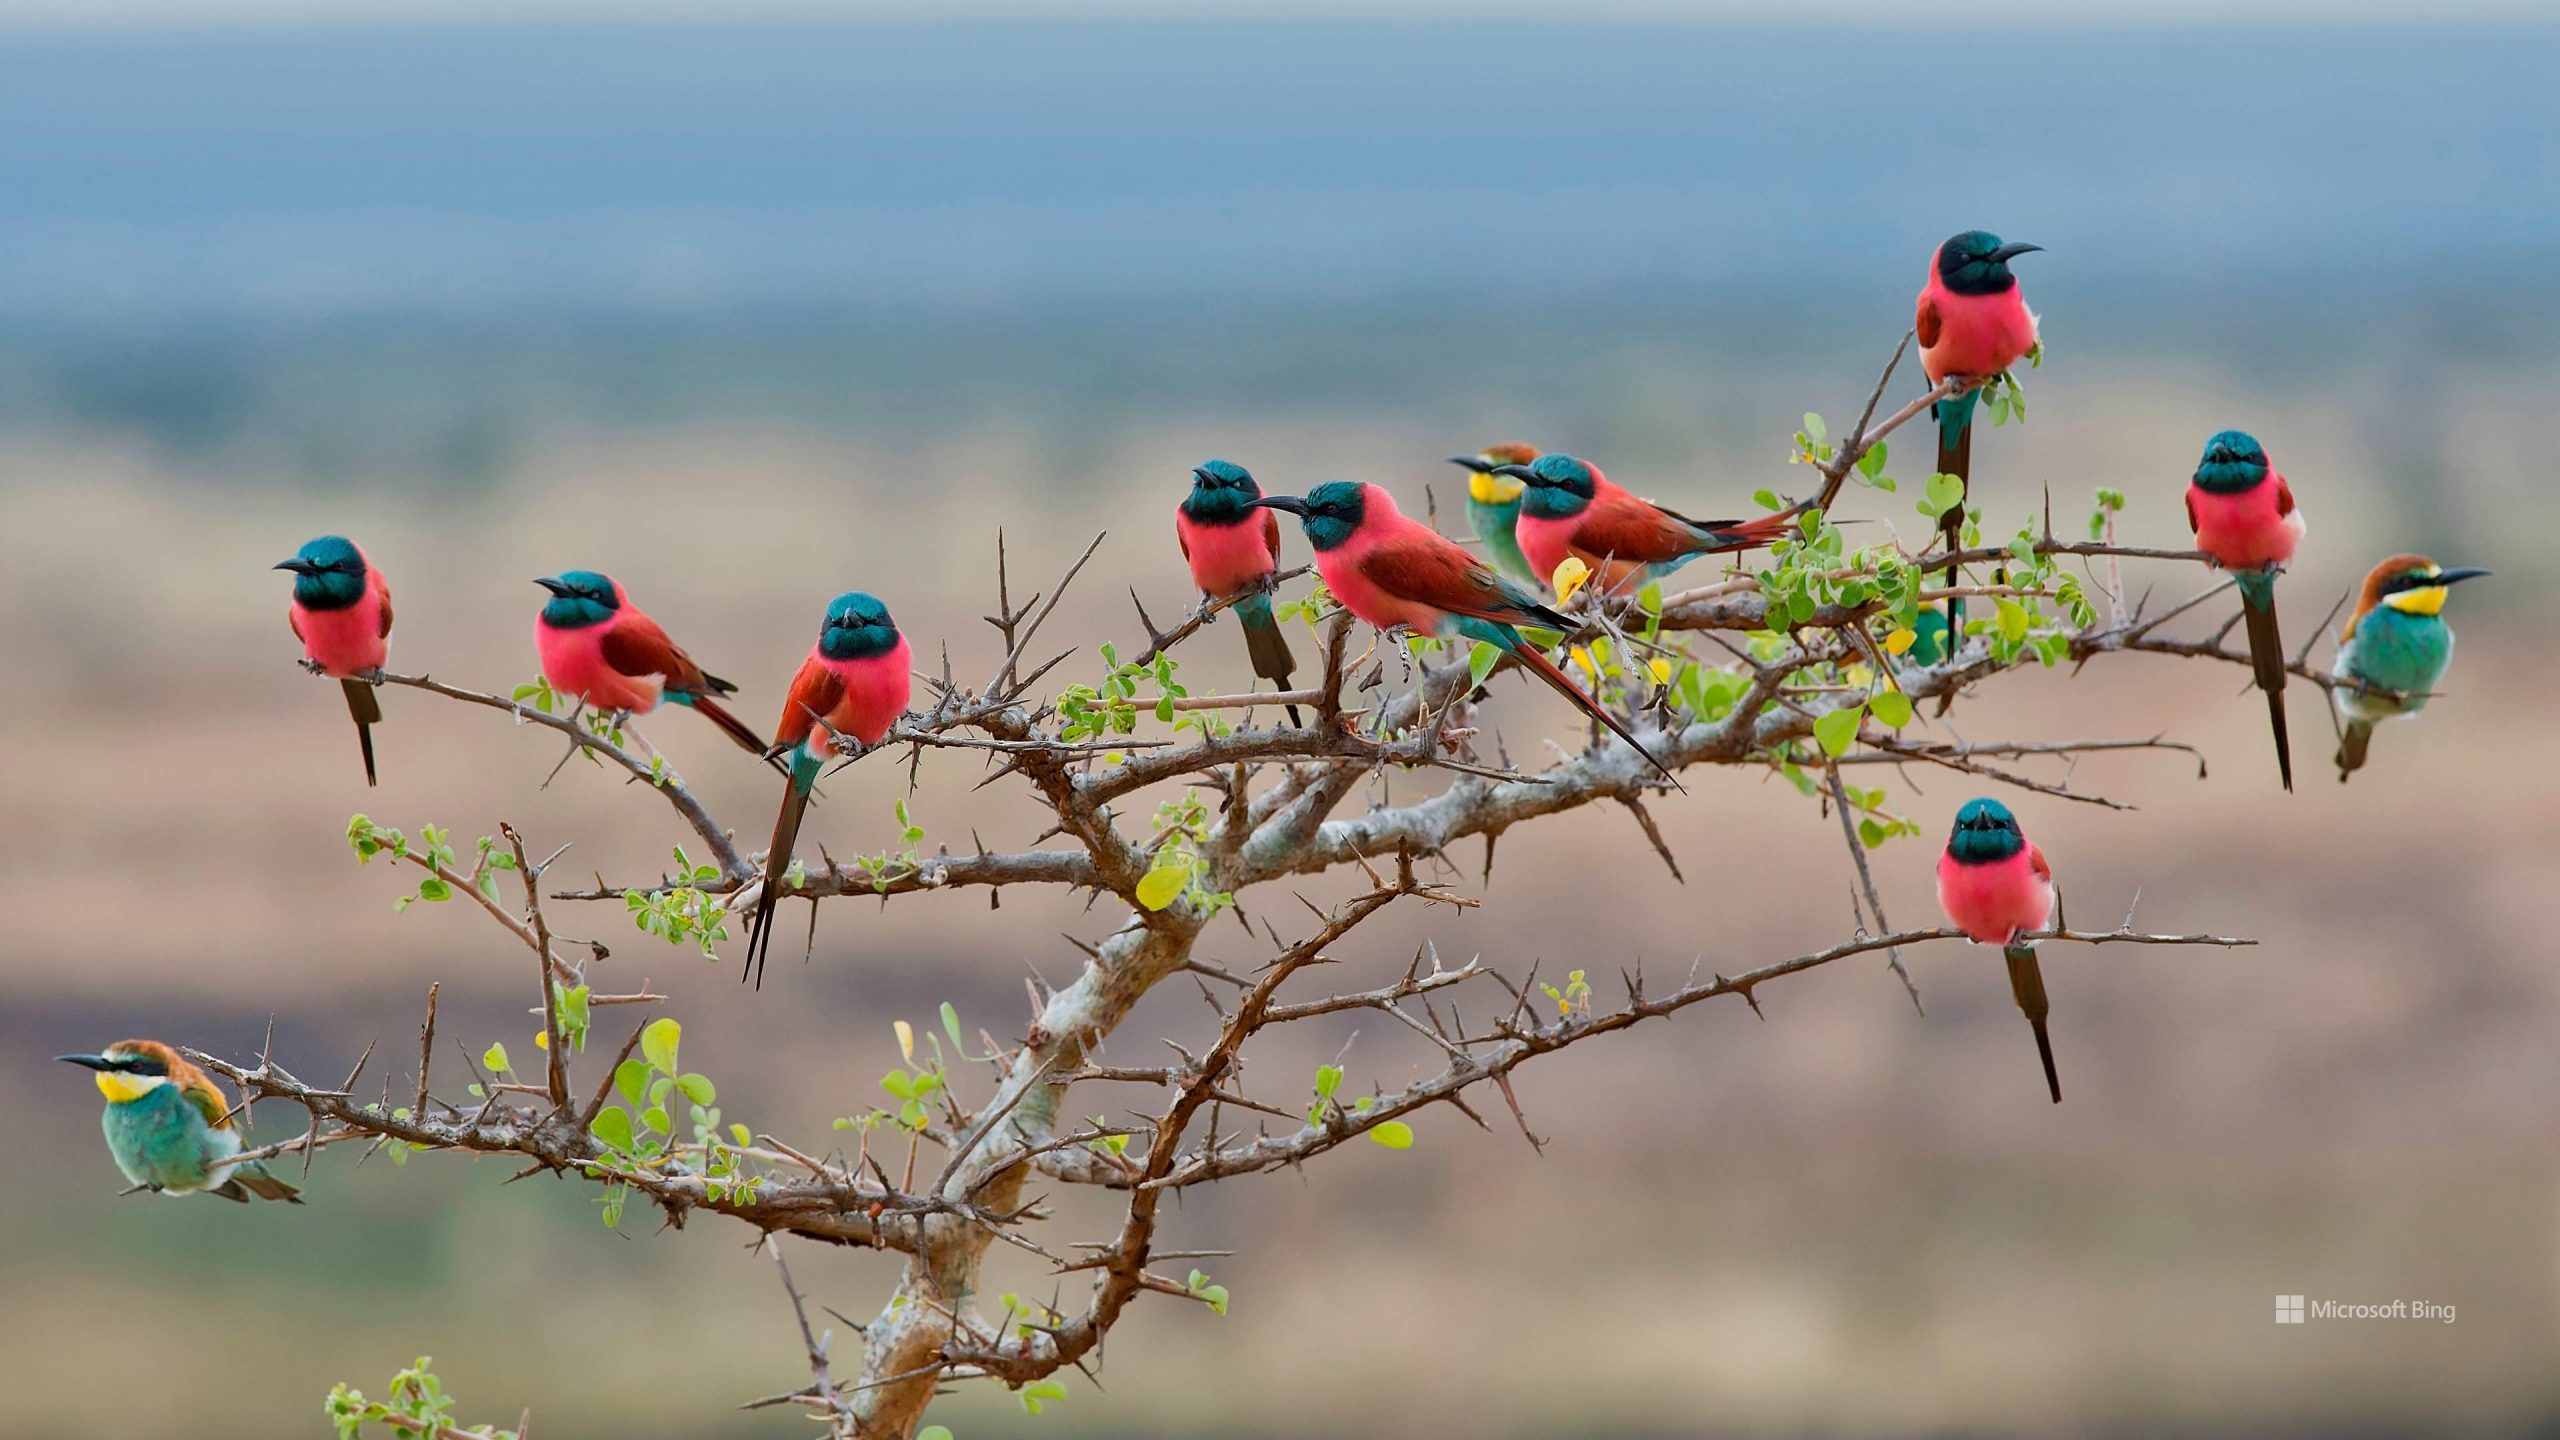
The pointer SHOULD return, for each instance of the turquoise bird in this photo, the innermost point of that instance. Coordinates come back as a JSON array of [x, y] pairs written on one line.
[[1493, 506], [2394, 649], [167, 1123]]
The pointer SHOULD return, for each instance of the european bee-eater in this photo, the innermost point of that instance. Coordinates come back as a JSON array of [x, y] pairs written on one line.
[[855, 682], [599, 648], [167, 1122], [1995, 887], [1234, 551], [341, 613], [1392, 570], [1493, 506], [2244, 517], [2394, 650], [1570, 508], [1972, 321]]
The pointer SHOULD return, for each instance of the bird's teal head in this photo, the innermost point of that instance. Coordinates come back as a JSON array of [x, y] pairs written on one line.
[[1559, 486], [1487, 483], [579, 598], [328, 573], [130, 1069], [1985, 832], [1222, 493], [1977, 263], [1331, 512], [2410, 584], [858, 628], [2233, 461]]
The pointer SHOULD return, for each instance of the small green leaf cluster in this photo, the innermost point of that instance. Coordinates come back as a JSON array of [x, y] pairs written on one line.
[[1039, 1393], [684, 911], [1176, 871], [1876, 824], [1317, 605], [1813, 568], [1088, 712], [2108, 504], [1575, 996], [539, 695], [2004, 399], [641, 1137], [1393, 1134], [1215, 1296], [415, 1406]]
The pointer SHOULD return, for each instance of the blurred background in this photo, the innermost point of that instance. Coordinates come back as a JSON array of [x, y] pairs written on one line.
[[751, 308]]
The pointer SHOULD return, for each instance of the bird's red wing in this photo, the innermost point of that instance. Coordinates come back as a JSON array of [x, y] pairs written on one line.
[[1925, 322], [1421, 566], [1620, 526], [2192, 527], [815, 692], [2035, 862], [383, 588], [635, 645], [1271, 535], [2284, 498]]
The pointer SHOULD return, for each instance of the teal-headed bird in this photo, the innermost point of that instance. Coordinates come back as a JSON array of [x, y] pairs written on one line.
[[2245, 519], [1972, 323], [2394, 651], [167, 1123], [1996, 887], [1234, 550], [1493, 506]]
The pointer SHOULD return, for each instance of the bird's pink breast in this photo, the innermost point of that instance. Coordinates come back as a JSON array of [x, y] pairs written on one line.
[[2244, 531], [345, 642], [1993, 901], [876, 688], [1545, 540], [1978, 335], [1226, 558], [573, 661]]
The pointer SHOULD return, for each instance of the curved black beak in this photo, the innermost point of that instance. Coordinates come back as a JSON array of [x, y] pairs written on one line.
[[552, 583], [93, 1062], [1520, 472], [1290, 503], [298, 566], [1477, 463], [2007, 253], [1201, 474], [2456, 577]]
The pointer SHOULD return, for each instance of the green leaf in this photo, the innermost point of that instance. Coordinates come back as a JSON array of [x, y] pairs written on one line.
[[1650, 597], [433, 889], [2013, 619], [631, 1077], [658, 1043], [900, 1084], [1163, 885], [1814, 429], [934, 1432], [613, 1128], [1891, 708], [1394, 1134], [1871, 833], [654, 1119], [697, 1088], [1480, 662], [1871, 464], [951, 1027], [1765, 499], [1945, 493], [1836, 730], [495, 1057], [1328, 1080]]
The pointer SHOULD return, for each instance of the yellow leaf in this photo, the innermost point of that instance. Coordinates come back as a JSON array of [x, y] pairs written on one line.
[[906, 1040], [1661, 669], [1582, 657], [1900, 640], [541, 1039], [1569, 578]]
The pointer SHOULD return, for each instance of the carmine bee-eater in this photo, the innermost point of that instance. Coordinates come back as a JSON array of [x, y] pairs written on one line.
[[1972, 321], [167, 1122], [2394, 651], [1570, 508], [1234, 550], [855, 682], [600, 649], [341, 613], [1493, 506], [2244, 517], [1996, 887], [1392, 570]]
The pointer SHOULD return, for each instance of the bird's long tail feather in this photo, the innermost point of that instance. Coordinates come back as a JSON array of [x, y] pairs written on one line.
[[2351, 748], [777, 862], [1955, 457], [735, 728], [1751, 534], [1265, 643], [366, 707], [1556, 680], [2026, 986], [2266, 657], [258, 1180]]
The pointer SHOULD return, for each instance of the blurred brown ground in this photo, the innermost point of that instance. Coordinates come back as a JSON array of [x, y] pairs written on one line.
[[1842, 1219]]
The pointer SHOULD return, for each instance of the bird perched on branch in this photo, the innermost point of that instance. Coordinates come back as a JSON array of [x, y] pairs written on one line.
[[1493, 506], [1972, 323], [2394, 650], [167, 1123], [1995, 887], [341, 613], [598, 647], [854, 684], [1234, 551], [1571, 509], [1392, 570], [2244, 517]]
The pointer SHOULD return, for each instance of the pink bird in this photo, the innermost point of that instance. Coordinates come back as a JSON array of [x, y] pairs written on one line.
[[598, 647], [2244, 517], [341, 612], [1996, 887], [1972, 321]]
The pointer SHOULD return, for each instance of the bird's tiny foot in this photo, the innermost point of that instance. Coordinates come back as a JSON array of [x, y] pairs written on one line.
[[316, 668], [848, 746]]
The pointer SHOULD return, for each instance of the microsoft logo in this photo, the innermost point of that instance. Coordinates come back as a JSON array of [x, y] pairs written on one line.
[[2288, 1309]]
